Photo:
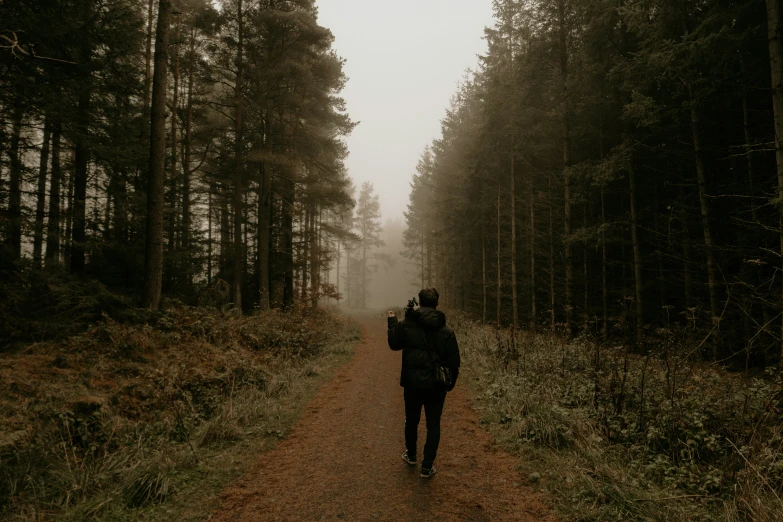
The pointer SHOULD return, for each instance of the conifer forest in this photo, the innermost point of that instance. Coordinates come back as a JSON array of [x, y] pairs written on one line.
[[192, 265], [615, 167], [187, 149]]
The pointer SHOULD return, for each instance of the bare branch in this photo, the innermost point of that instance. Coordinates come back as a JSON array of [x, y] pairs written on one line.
[[16, 49]]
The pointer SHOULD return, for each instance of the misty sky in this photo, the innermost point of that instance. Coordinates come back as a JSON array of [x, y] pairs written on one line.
[[404, 60]]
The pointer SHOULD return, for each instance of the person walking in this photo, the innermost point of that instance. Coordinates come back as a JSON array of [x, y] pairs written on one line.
[[426, 344]]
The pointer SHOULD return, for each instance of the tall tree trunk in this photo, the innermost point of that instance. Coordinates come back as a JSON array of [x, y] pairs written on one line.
[[428, 236], [483, 260], [121, 209], [659, 233], [586, 310], [701, 178], [746, 127], [139, 180], [315, 254], [238, 164], [551, 257], [148, 57], [686, 249], [749, 159], [533, 311], [187, 160], [209, 233], [175, 108], [111, 191], [499, 288], [246, 235], [604, 266], [637, 258], [81, 163], [173, 174], [153, 258], [286, 224], [347, 276], [423, 259], [569, 268], [68, 215], [246, 238], [749, 156], [43, 171], [96, 206], [435, 272], [774, 29], [624, 263], [305, 251], [15, 188], [339, 258], [265, 216], [225, 234], [53, 224], [514, 304], [363, 299]]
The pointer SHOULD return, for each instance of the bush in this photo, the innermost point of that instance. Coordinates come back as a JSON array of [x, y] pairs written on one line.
[[49, 305]]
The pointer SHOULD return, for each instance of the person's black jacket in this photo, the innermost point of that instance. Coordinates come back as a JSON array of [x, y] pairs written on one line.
[[422, 331]]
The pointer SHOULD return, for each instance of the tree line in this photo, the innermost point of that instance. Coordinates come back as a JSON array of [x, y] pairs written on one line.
[[175, 147], [614, 167]]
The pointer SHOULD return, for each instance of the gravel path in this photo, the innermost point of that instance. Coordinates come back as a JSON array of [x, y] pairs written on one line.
[[342, 459]]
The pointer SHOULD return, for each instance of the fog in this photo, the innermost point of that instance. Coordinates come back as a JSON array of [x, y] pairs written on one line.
[[393, 285], [404, 60]]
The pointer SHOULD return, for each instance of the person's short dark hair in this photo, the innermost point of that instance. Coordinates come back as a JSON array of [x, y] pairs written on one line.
[[429, 297]]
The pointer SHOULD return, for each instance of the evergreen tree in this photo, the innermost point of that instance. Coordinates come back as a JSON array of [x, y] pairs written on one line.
[[601, 169], [367, 223], [225, 157]]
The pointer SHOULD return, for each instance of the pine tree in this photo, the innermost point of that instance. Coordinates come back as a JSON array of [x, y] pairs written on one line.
[[153, 265], [368, 226]]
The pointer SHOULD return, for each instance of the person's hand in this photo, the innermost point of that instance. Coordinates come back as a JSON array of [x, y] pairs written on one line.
[[391, 314]]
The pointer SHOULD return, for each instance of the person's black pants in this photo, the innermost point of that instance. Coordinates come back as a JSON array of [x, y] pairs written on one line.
[[433, 401]]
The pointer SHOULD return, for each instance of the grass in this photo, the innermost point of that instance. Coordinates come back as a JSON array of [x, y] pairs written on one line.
[[612, 435], [150, 423]]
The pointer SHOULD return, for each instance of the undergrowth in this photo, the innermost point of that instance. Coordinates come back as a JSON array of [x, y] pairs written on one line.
[[50, 305], [134, 422], [614, 435]]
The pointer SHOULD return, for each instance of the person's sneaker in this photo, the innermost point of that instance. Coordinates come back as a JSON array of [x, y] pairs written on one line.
[[428, 472], [407, 459]]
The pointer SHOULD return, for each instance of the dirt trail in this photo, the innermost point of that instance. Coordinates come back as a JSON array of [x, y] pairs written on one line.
[[342, 460]]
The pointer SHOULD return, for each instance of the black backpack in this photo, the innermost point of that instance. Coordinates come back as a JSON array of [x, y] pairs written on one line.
[[441, 374]]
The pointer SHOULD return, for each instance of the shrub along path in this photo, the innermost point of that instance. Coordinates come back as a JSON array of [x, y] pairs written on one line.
[[342, 460]]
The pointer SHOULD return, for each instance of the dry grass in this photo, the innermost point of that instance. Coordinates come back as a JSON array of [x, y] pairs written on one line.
[[131, 422], [615, 436]]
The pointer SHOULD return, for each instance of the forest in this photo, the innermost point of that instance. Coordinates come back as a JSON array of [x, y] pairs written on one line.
[[184, 150], [602, 215], [603, 208], [174, 205], [614, 168]]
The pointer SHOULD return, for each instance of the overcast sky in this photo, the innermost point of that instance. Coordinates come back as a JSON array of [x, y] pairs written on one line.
[[404, 60]]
